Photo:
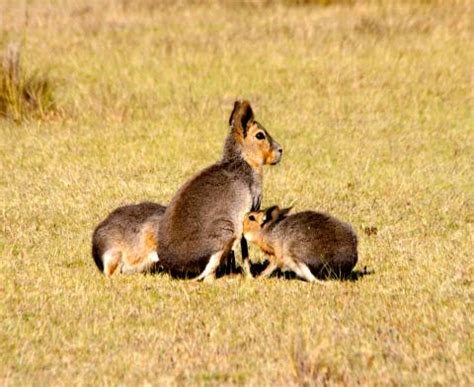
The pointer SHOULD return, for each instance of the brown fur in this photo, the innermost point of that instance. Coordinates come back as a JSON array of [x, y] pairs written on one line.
[[324, 244], [205, 216], [149, 238], [128, 235]]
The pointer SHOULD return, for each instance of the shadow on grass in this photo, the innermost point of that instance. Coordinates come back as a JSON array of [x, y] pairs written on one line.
[[229, 267], [353, 276], [257, 268]]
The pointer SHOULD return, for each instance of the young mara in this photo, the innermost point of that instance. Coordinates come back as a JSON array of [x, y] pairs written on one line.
[[309, 243]]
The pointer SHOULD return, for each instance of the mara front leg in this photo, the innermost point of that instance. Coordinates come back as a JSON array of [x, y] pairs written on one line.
[[245, 258]]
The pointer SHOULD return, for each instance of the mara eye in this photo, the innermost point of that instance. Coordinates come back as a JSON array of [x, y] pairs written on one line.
[[252, 218], [260, 136]]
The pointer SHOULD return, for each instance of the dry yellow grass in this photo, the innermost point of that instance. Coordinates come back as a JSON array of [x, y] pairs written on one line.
[[373, 105]]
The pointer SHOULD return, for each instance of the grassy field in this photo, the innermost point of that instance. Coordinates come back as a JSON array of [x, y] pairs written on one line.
[[373, 105]]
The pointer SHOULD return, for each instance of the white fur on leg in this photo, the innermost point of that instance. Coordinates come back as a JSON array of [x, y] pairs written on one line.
[[110, 260], [153, 256], [308, 275], [268, 270], [301, 270], [211, 267]]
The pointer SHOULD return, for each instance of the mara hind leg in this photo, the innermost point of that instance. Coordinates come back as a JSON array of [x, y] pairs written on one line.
[[209, 273], [111, 259], [272, 266], [301, 269], [307, 275]]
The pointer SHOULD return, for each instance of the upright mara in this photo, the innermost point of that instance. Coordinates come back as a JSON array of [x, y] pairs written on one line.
[[204, 220]]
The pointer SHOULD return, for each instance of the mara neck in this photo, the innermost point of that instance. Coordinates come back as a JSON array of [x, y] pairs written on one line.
[[233, 154]]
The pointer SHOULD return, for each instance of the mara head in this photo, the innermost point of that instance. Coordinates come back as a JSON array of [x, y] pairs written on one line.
[[250, 139], [257, 222]]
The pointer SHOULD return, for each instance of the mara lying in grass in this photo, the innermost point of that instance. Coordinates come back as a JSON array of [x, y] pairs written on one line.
[[203, 222], [311, 244], [126, 239]]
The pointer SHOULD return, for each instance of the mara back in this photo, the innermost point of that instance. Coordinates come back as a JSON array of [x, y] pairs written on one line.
[[206, 214]]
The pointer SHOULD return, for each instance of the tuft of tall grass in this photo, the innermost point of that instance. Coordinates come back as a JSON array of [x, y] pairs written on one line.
[[23, 95]]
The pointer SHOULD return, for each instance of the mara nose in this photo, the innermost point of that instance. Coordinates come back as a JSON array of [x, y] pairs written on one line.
[[280, 150]]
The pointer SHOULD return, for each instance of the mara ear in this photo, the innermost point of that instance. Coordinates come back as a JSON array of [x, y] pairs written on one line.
[[271, 214], [234, 111], [241, 116], [284, 213]]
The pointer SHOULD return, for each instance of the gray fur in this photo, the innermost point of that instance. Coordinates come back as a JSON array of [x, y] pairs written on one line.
[[325, 244]]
